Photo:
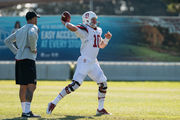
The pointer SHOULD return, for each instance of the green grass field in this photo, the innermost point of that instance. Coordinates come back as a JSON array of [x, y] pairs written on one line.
[[126, 100]]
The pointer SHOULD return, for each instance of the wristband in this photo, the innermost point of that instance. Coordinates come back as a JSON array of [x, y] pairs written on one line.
[[66, 24], [106, 41]]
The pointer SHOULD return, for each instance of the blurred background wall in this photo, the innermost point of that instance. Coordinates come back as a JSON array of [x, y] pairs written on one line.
[[145, 43], [101, 7]]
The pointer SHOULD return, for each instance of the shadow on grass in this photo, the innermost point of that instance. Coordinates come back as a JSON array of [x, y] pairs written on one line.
[[66, 117], [16, 118]]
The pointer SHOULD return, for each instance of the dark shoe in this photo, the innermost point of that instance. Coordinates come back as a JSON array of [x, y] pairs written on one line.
[[50, 108], [25, 115], [30, 114], [102, 112]]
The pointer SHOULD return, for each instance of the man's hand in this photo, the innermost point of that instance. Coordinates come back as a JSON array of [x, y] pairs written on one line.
[[34, 51], [63, 22], [66, 16], [108, 35]]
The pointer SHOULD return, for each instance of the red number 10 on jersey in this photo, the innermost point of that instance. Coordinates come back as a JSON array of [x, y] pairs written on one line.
[[97, 39]]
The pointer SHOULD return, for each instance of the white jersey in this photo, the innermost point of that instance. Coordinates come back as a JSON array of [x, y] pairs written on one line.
[[90, 39]]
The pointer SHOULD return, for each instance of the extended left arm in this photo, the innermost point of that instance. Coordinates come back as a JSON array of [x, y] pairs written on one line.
[[105, 41]]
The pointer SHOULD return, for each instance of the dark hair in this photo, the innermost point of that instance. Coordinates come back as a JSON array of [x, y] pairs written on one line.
[[30, 15], [17, 23]]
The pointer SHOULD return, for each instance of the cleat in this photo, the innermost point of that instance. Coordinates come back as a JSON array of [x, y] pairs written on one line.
[[102, 112], [30, 114], [50, 108]]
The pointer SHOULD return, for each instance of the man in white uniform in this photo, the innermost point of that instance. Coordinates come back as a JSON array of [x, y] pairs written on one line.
[[87, 63]]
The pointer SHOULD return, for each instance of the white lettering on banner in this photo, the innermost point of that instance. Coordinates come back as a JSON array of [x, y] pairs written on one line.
[[44, 26], [57, 43], [60, 44], [48, 35], [47, 55], [56, 27], [65, 35], [44, 43], [57, 35], [59, 39], [74, 43]]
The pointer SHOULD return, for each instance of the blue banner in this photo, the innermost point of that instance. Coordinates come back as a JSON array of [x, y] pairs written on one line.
[[134, 38]]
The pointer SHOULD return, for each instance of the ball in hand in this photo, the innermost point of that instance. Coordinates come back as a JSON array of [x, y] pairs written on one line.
[[66, 16]]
